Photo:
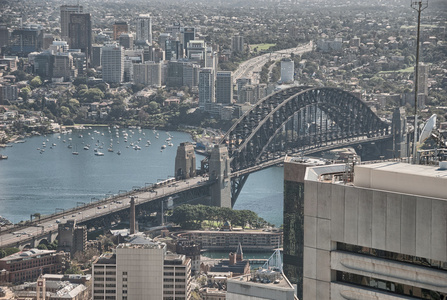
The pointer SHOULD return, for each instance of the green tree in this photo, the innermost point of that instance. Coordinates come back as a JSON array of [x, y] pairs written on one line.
[[74, 269], [36, 82], [42, 247]]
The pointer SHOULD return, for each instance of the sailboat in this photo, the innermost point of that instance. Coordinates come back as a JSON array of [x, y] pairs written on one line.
[[76, 151]]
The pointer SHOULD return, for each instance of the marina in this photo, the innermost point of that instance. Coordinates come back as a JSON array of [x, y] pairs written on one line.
[[40, 181]]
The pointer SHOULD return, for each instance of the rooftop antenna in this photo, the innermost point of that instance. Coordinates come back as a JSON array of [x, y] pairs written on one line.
[[419, 6]]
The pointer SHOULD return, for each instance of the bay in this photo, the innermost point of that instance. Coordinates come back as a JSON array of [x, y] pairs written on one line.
[[32, 181]]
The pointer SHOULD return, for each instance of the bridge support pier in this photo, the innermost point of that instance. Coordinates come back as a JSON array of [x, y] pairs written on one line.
[[219, 170], [185, 161]]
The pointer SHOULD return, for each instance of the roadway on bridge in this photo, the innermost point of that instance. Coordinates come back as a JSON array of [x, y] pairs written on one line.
[[248, 68], [94, 210]]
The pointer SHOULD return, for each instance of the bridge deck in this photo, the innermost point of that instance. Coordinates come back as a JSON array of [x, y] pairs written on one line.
[[97, 209]]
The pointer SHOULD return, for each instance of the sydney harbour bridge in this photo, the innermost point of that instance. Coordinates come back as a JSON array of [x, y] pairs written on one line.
[[297, 120]]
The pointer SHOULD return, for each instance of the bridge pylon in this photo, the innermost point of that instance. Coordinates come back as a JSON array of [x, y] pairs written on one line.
[[219, 170], [185, 161]]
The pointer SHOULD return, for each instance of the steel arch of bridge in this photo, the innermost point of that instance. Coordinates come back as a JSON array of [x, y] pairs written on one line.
[[299, 117]]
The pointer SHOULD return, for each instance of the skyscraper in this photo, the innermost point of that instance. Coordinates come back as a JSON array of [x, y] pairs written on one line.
[[80, 33], [224, 87], [112, 62], [206, 87], [188, 34], [144, 29], [66, 11]]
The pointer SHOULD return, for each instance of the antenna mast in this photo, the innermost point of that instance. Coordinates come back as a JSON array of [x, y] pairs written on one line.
[[419, 6]]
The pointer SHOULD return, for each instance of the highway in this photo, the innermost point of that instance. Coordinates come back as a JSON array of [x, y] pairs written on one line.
[[253, 66], [94, 210]]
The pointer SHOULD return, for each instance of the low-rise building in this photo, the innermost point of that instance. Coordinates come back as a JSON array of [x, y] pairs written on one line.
[[28, 265]]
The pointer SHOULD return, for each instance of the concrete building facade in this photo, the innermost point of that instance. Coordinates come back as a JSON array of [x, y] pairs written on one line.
[[112, 62], [382, 236], [224, 87], [147, 73], [144, 28], [206, 87], [66, 11]]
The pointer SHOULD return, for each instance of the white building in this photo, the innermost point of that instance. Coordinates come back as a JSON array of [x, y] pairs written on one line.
[[112, 62], [144, 28], [142, 270], [287, 70], [382, 236], [206, 87]]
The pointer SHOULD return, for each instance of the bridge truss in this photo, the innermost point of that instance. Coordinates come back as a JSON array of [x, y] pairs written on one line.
[[296, 120]]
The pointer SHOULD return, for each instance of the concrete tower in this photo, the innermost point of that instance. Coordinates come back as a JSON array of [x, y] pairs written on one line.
[[41, 288], [185, 161], [219, 169], [287, 70], [224, 87], [66, 11], [132, 215], [144, 28]]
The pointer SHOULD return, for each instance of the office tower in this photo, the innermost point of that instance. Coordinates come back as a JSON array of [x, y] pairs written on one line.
[[59, 46], [182, 73], [240, 83], [119, 28], [141, 268], [197, 51], [173, 49], [126, 40], [380, 235], [43, 65], [188, 34], [96, 55], [66, 11], [4, 36], [224, 87], [26, 40], [287, 70], [63, 66], [206, 87], [128, 69], [211, 60], [144, 29], [80, 34], [162, 38], [147, 73], [237, 43], [174, 29], [112, 62]]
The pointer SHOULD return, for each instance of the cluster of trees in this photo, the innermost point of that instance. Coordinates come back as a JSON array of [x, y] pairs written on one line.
[[192, 216], [8, 251]]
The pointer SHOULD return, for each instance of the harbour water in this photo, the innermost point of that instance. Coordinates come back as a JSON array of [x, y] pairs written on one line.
[[36, 181]]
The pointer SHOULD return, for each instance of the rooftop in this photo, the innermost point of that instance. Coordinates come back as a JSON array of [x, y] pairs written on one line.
[[27, 254], [269, 278]]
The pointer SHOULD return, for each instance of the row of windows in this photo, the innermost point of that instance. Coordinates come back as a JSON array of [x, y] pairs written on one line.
[[410, 259], [390, 287]]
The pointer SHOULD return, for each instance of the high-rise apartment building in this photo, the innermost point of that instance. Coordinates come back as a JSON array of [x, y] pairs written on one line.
[[66, 11], [112, 62], [287, 70], [423, 79], [119, 28], [147, 73], [206, 87], [224, 87], [237, 43], [141, 270], [196, 51], [80, 34], [382, 235], [144, 28], [71, 238], [63, 68]]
